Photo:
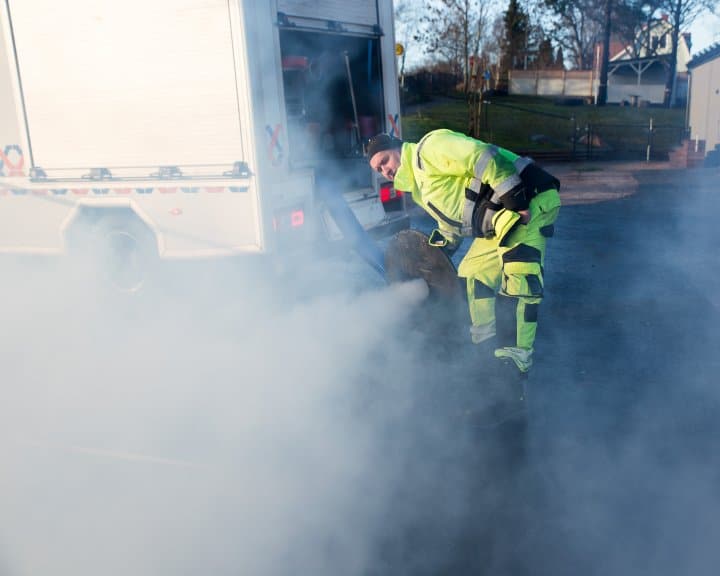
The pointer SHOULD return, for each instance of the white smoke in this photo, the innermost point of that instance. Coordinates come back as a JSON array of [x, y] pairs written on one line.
[[218, 424]]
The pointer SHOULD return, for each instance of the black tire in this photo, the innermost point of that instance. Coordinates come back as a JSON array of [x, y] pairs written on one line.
[[115, 247]]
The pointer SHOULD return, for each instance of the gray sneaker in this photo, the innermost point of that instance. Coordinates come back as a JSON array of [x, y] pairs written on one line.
[[521, 356]]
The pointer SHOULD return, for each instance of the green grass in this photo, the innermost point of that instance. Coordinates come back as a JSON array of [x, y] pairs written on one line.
[[452, 115], [532, 124]]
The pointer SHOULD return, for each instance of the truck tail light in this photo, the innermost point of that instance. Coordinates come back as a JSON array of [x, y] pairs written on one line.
[[297, 218], [388, 193], [289, 219]]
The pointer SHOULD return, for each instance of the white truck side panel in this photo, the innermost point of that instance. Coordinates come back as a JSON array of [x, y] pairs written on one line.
[[358, 12], [10, 112], [131, 83], [198, 219], [30, 224], [191, 217], [264, 107], [389, 64], [135, 85]]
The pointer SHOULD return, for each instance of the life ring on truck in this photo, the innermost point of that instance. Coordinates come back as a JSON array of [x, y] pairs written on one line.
[[12, 160]]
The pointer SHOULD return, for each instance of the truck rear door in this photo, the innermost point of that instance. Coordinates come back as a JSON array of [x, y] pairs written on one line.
[[359, 12], [340, 89]]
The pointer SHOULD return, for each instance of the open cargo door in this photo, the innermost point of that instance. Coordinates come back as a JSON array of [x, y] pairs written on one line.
[[339, 86]]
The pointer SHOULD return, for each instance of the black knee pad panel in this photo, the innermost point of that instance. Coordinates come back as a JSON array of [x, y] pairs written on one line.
[[480, 290], [531, 312]]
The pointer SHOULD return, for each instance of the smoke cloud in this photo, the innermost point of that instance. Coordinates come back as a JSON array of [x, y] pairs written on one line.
[[223, 422]]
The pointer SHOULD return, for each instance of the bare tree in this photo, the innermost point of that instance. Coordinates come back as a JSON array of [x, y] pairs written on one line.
[[681, 13], [632, 24], [492, 51], [406, 23], [453, 30], [629, 21], [576, 26], [607, 32]]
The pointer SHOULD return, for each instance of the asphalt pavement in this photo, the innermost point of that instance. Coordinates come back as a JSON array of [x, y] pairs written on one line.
[[313, 423], [621, 468]]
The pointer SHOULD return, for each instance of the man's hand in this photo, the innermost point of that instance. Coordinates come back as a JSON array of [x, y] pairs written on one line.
[[524, 216]]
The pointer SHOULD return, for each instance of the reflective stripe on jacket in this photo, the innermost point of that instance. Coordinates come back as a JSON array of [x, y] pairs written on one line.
[[452, 175]]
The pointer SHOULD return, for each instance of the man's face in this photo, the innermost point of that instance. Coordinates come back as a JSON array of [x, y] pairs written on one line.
[[386, 163]]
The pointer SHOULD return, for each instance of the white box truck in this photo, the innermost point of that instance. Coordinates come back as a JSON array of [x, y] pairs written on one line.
[[193, 128]]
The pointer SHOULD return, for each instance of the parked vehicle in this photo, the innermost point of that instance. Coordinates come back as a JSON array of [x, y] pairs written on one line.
[[185, 129]]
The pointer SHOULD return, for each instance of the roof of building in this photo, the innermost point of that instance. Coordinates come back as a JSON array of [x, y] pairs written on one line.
[[710, 53]]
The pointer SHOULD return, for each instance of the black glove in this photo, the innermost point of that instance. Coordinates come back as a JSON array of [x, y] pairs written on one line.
[[439, 240], [450, 249]]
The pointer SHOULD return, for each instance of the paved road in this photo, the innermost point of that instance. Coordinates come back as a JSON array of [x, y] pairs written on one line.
[[621, 474], [626, 404], [304, 427]]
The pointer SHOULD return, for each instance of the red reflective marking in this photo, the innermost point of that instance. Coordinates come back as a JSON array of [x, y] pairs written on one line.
[[215, 189], [123, 190], [40, 192], [168, 190], [394, 125], [297, 218], [175, 211], [275, 145], [14, 168], [79, 191]]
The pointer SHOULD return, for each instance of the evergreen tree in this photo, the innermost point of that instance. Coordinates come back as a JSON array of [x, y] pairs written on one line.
[[517, 30], [545, 58]]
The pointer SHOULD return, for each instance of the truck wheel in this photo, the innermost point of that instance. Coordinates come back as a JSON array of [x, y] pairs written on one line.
[[119, 248]]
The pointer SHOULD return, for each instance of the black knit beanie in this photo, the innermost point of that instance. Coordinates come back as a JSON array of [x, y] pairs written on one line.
[[382, 142]]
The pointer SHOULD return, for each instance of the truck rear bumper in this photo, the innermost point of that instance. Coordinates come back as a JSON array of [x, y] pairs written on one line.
[[391, 225]]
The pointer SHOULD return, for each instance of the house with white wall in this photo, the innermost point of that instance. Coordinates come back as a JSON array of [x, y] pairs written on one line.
[[703, 113], [637, 73]]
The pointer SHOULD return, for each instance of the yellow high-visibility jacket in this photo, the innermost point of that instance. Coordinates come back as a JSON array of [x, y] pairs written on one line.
[[463, 182]]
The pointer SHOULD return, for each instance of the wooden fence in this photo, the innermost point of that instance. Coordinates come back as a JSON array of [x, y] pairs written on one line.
[[570, 83]]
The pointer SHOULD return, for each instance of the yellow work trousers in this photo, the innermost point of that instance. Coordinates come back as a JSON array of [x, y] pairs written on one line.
[[510, 264]]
